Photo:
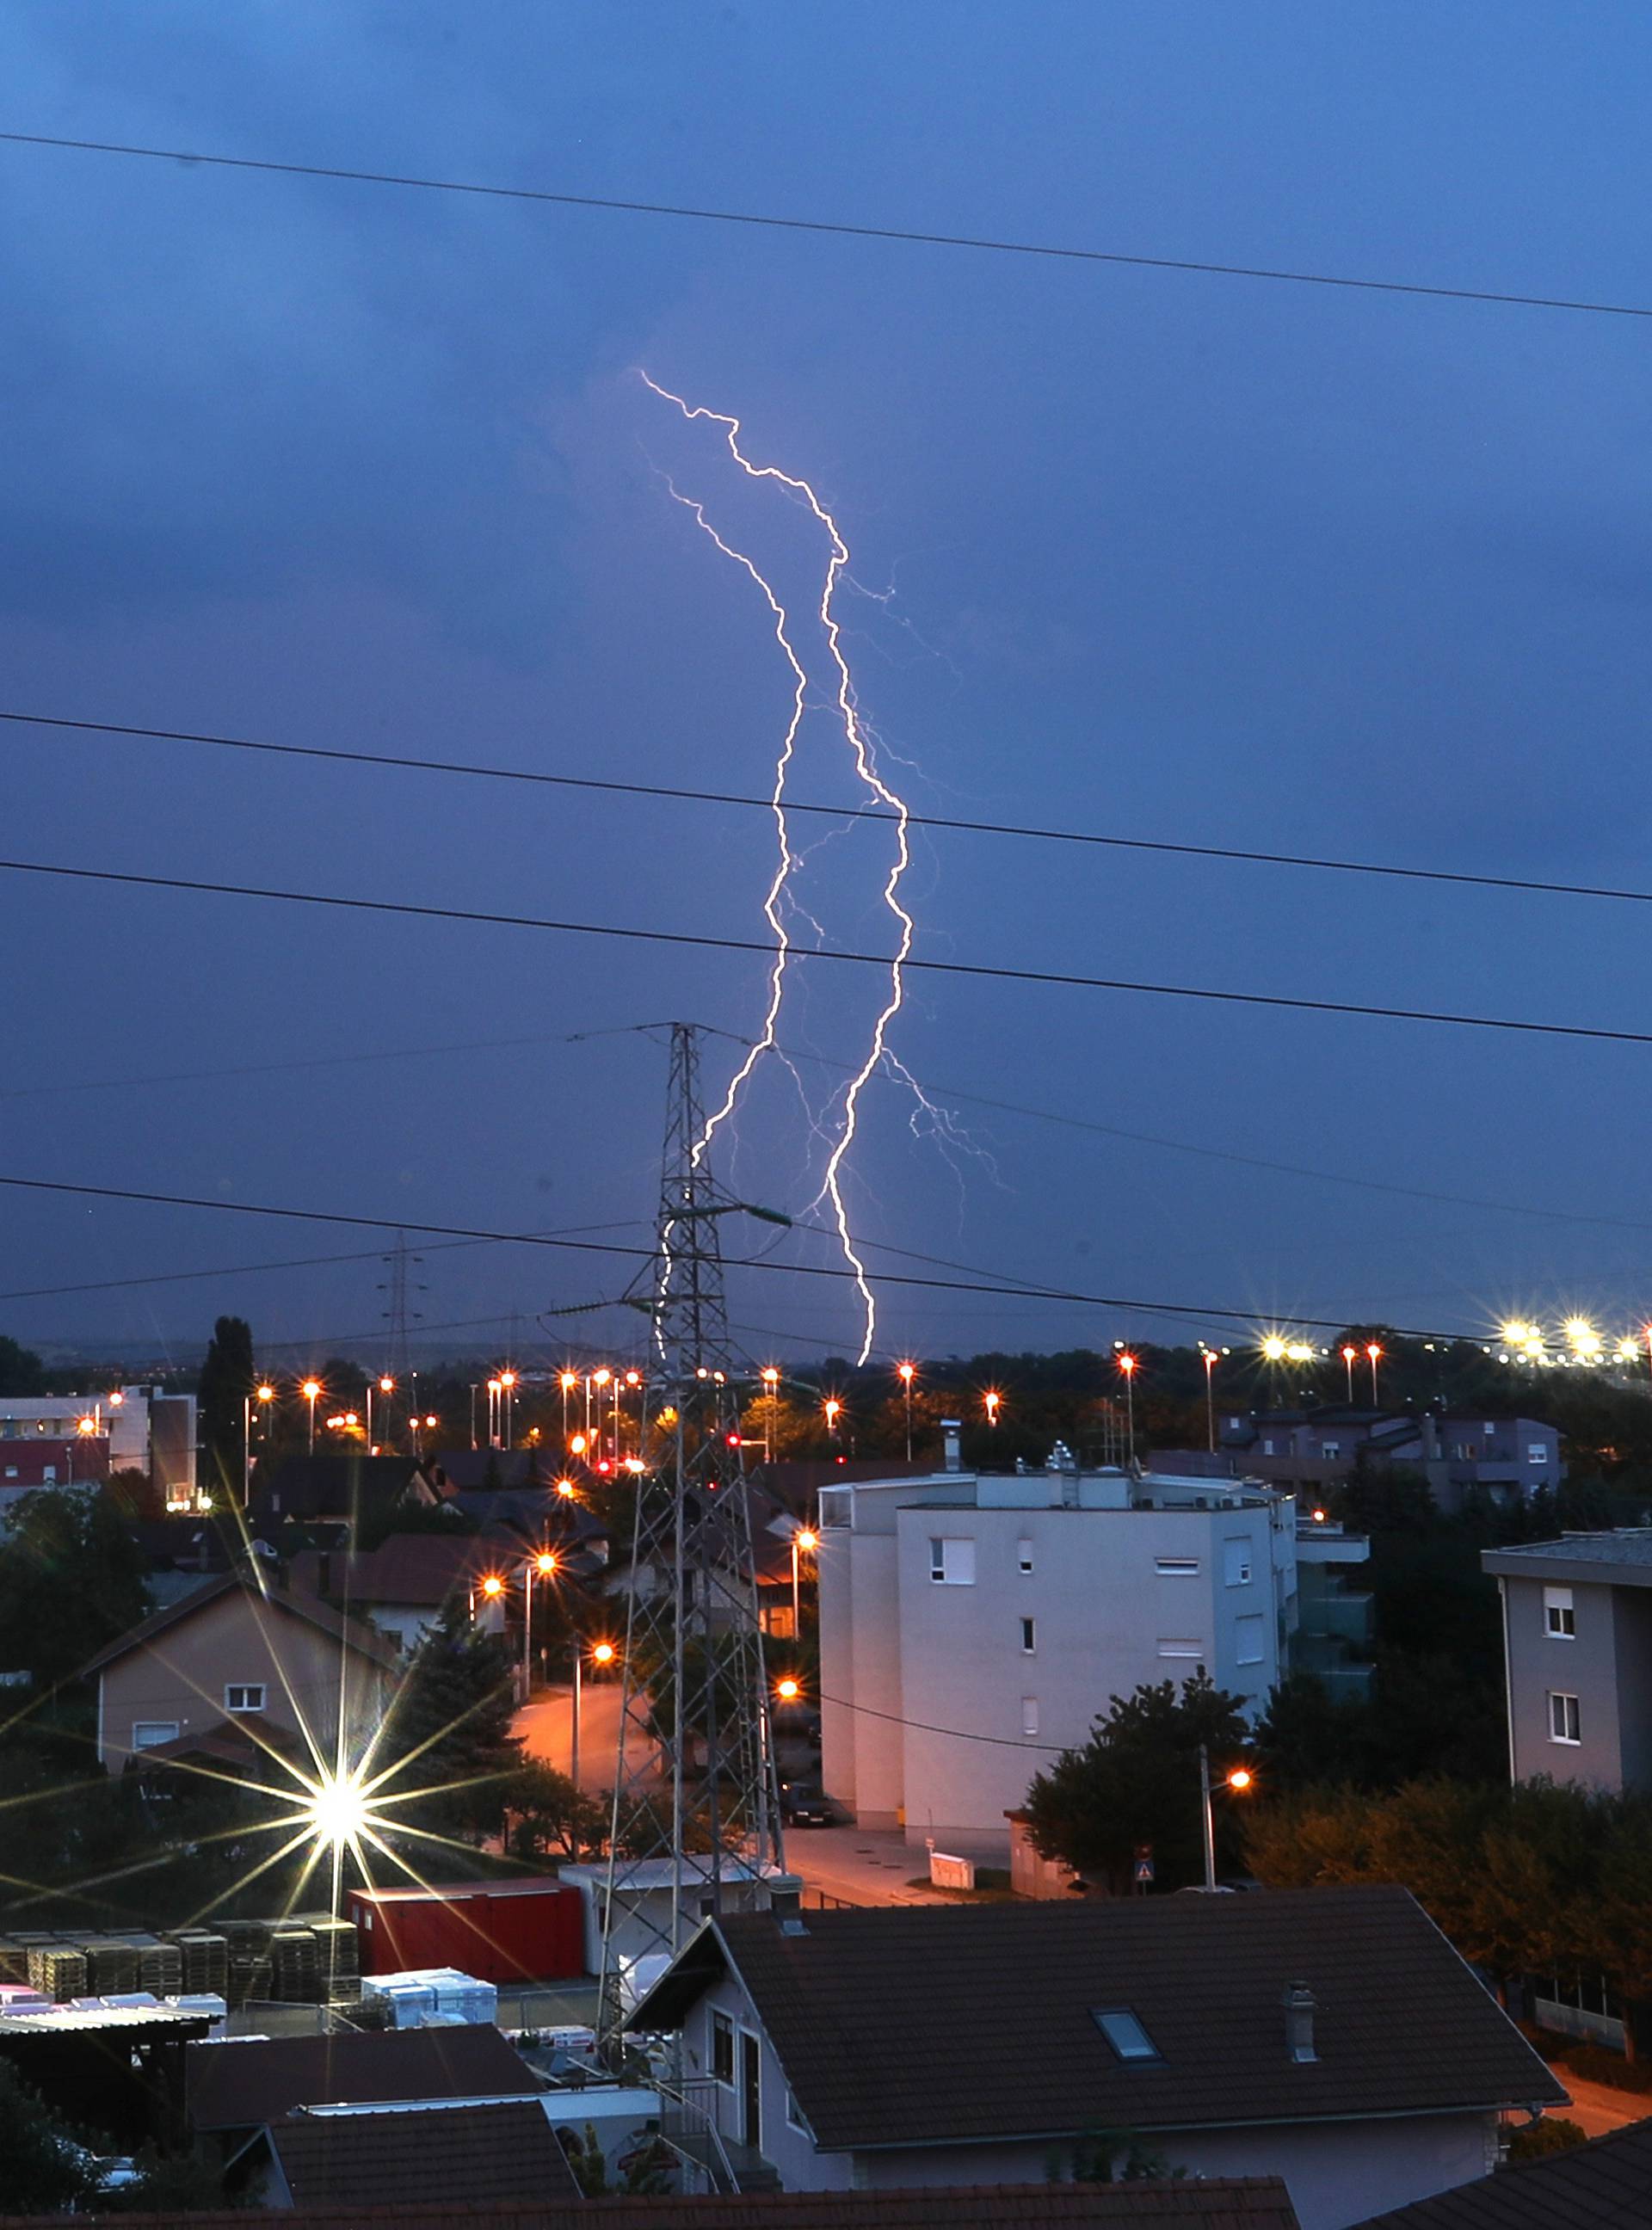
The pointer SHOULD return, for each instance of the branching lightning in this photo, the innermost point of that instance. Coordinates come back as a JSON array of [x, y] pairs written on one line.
[[861, 750]]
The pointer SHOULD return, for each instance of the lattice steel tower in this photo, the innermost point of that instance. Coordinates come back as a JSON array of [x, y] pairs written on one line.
[[695, 1798]]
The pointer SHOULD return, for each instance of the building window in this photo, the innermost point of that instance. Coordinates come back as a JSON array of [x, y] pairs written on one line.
[[1180, 1648], [1465, 1451], [1236, 1562], [1124, 2032], [244, 1697], [952, 1563], [1249, 1639], [1537, 1452], [12, 1471], [722, 2048], [1563, 1718], [150, 1734], [1028, 1636], [1176, 1568], [1030, 1715], [795, 2114], [1267, 1447], [1559, 1618], [1024, 1554], [1331, 1450]]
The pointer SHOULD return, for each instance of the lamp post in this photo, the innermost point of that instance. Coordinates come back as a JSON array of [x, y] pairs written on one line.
[[992, 1401], [246, 1448], [834, 1409], [311, 1389], [494, 1391], [1127, 1363], [602, 1654], [1209, 1395], [1238, 1780], [804, 1538], [544, 1564], [507, 1383], [1376, 1354], [772, 1395], [906, 1372], [1350, 1355], [568, 1381]]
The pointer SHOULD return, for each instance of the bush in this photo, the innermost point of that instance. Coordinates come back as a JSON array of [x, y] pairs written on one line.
[[1553, 2134], [1597, 2063]]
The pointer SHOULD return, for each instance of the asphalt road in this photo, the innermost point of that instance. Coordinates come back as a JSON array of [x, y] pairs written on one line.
[[547, 1727]]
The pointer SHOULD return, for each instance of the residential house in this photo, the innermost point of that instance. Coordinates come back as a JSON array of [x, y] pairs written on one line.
[[237, 1649], [342, 1493], [1603, 2186], [476, 2152], [1330, 2037], [403, 1585], [1577, 1656], [1015, 1606], [1307, 1451]]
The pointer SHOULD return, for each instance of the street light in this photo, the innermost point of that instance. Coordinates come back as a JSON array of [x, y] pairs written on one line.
[[544, 1564], [564, 1487], [1238, 1780], [834, 1409], [770, 1378], [1209, 1394], [1350, 1355], [991, 1402], [1128, 1363], [311, 1390], [906, 1372], [508, 1380], [1376, 1354], [788, 1690], [804, 1538]]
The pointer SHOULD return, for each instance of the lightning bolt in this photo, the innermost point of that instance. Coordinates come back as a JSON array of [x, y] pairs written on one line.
[[861, 750]]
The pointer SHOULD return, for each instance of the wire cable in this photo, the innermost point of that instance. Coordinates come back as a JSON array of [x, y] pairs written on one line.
[[949, 823], [834, 228], [978, 971], [1027, 1290]]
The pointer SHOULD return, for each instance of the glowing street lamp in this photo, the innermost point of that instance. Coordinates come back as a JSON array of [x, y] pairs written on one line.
[[787, 1690], [1374, 1351], [992, 1402], [1350, 1355], [604, 1653], [1209, 1394], [804, 1538], [567, 1380], [566, 1488], [544, 1564], [834, 1409], [507, 1381], [1239, 1781], [311, 1389], [906, 1372], [1130, 1365]]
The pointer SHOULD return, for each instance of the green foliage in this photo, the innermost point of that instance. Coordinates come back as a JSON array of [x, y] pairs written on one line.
[[44, 2167], [1597, 2063], [454, 1711], [168, 2184], [1110, 2156], [546, 1816], [226, 1385], [71, 1579], [1553, 2134], [21, 1371], [1136, 1781]]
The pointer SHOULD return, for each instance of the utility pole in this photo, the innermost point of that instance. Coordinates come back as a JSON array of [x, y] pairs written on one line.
[[694, 1760]]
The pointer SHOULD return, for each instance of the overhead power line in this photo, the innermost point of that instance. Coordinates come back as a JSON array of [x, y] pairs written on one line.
[[975, 970], [835, 228], [749, 801], [1021, 1290]]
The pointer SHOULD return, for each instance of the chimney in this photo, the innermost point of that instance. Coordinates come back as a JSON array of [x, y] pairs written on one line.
[[785, 1903], [1299, 2002], [951, 1429]]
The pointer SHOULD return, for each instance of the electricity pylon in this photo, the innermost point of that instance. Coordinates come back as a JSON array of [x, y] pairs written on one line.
[[696, 1802]]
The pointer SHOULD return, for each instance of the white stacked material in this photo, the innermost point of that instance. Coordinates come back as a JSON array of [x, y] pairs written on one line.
[[408, 2000], [423, 1990], [18, 1998]]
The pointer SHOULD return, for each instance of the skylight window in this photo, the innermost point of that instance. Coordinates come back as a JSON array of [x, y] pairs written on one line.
[[1124, 2032]]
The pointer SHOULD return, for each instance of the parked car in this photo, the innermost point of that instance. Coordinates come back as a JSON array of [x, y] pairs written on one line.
[[804, 1805]]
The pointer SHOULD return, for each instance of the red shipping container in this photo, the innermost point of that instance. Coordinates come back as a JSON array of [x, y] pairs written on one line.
[[504, 1931]]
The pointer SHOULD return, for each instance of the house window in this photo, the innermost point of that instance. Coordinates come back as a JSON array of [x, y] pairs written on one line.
[[795, 2113], [150, 1734], [48, 1472], [1537, 1452], [1267, 1447], [1028, 1636], [1236, 1562], [1559, 1618], [1030, 1715], [1174, 1648], [1176, 1568], [12, 1471], [1330, 1450], [1024, 1554], [722, 2048], [1247, 1638], [952, 1563], [244, 1697], [1124, 2032], [1563, 1718]]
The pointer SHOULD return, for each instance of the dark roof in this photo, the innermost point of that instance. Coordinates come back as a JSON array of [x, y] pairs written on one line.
[[405, 1568], [1625, 1556], [463, 2153], [243, 2084], [935, 2024], [232, 1742], [477, 1468], [354, 1486], [309, 1607], [1603, 2186], [1213, 2203]]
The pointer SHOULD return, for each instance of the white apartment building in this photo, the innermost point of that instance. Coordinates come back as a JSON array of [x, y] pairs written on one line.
[[968, 1605]]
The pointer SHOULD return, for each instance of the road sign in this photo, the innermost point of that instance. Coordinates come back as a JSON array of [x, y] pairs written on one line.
[[1144, 1865]]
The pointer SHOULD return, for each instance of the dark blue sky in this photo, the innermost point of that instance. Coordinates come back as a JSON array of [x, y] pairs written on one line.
[[1176, 556]]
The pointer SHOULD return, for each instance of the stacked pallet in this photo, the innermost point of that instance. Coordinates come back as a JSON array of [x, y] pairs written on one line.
[[57, 1970], [249, 1974], [205, 1959], [295, 1969], [14, 1960], [339, 1952], [111, 1965]]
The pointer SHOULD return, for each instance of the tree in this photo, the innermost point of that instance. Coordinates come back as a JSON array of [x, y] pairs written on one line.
[[71, 1579], [1136, 1781], [452, 1724], [546, 1816], [22, 1372], [44, 2167], [225, 1388]]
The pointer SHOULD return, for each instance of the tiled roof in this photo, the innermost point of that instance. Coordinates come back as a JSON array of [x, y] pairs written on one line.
[[300, 1486], [1603, 2186], [1219, 2203], [1630, 1548], [243, 2084], [936, 2024], [309, 1607], [471, 2154], [406, 1567]]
